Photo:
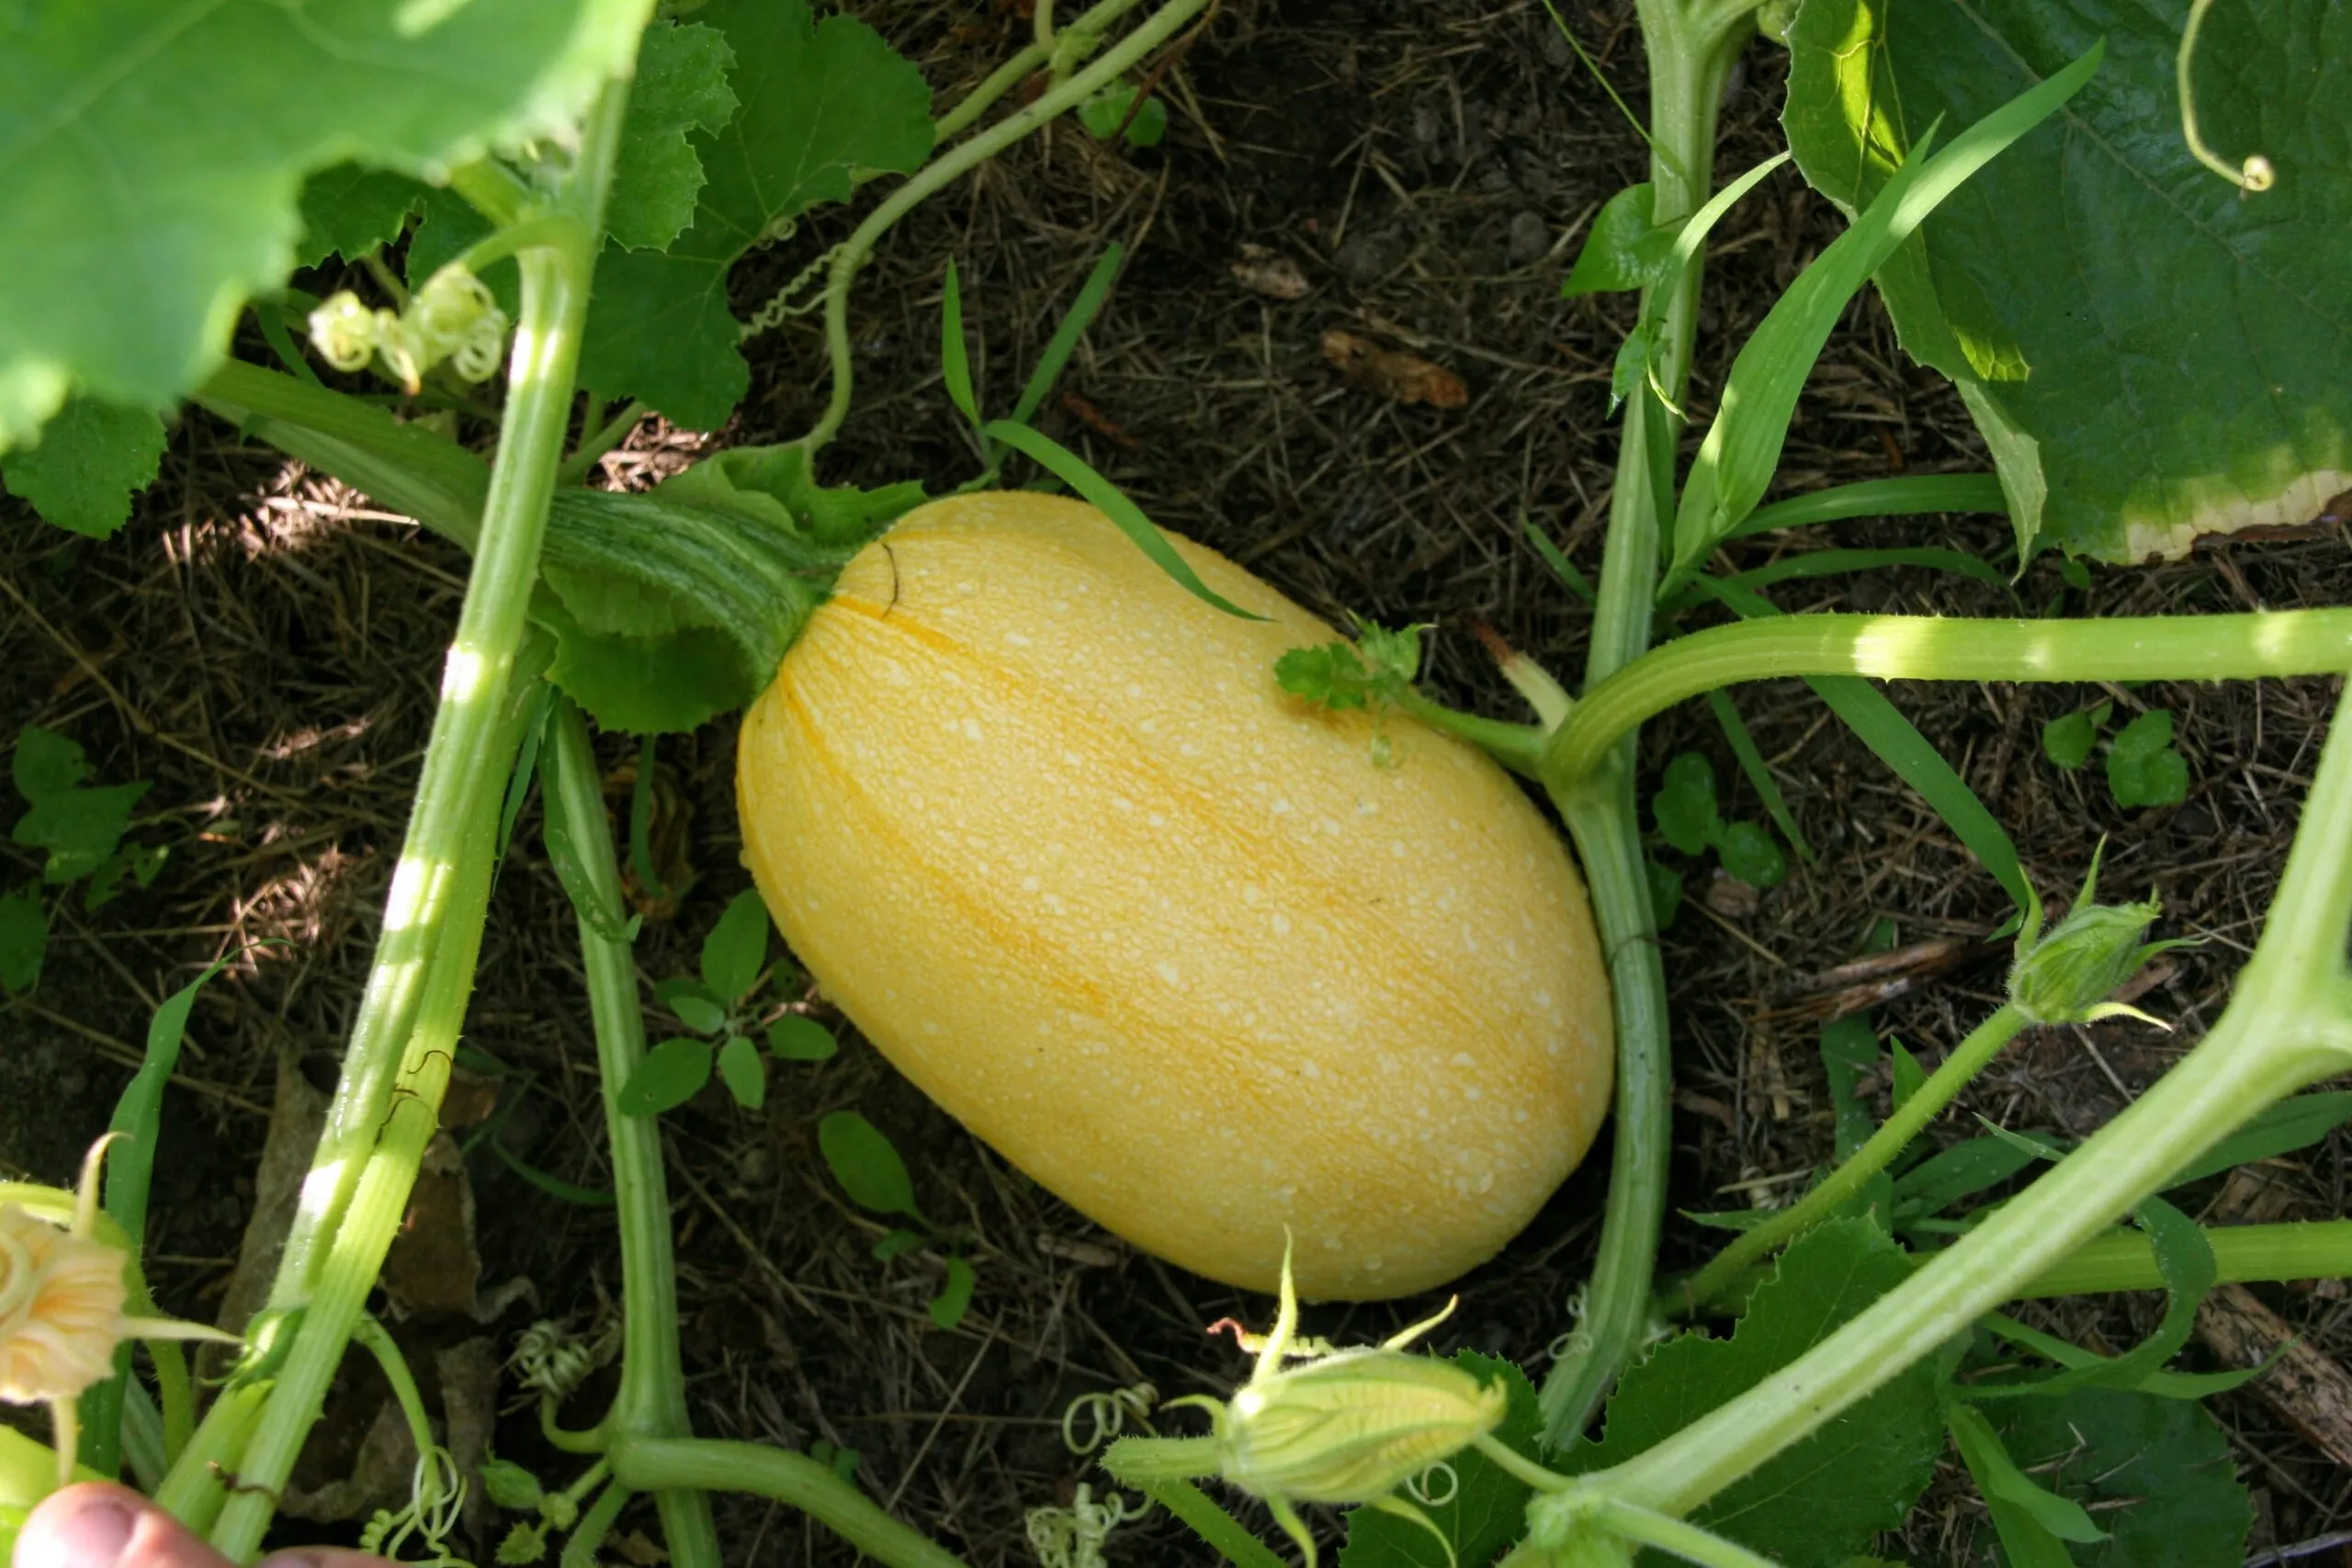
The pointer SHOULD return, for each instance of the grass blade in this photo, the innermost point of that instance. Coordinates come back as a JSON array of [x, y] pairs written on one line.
[[955, 358], [1082, 311], [1759, 777], [1835, 563], [1898, 743], [1742, 450], [1562, 568], [1076, 472], [1907, 496]]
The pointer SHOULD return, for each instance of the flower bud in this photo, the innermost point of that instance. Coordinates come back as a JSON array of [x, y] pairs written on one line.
[[2067, 975], [1352, 1427]]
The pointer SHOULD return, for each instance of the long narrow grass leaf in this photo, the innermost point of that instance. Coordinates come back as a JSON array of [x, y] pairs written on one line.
[[1076, 472], [1064, 342], [1897, 743], [1836, 563], [1562, 568], [1760, 776], [955, 356], [1909, 495], [1742, 449]]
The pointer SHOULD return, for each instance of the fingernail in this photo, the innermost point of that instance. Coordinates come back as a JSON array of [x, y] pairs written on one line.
[[98, 1532]]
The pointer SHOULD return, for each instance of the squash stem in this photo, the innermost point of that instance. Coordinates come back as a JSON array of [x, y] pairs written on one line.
[[674, 1464], [2283, 1029], [397, 1061], [1841, 1185], [1933, 647], [1156, 29], [1689, 56], [652, 1398]]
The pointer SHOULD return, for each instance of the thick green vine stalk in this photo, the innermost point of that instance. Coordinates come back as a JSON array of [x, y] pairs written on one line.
[[398, 1061], [1690, 50], [652, 1398], [2289, 1024]]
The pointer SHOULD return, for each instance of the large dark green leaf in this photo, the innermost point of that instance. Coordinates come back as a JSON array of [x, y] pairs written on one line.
[[2151, 355]]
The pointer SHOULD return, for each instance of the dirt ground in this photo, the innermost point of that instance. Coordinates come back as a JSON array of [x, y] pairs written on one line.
[[263, 647]]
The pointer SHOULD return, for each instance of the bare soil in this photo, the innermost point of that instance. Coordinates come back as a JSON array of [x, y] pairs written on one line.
[[263, 645]]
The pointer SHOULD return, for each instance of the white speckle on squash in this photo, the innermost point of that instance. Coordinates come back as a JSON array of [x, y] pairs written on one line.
[[1167, 972]]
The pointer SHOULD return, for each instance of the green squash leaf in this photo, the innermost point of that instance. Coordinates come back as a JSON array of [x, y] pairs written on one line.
[[2151, 355], [93, 457], [681, 86], [2155, 1473], [1623, 249], [1684, 806], [152, 158], [823, 103], [349, 211], [1823, 1499]]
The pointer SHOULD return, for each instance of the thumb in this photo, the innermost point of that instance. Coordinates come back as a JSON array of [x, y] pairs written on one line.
[[97, 1525]]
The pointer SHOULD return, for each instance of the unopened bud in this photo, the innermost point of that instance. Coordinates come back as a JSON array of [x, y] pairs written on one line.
[[2067, 975], [1354, 1426]]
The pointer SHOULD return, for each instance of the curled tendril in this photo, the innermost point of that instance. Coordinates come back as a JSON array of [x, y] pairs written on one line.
[[454, 319], [2255, 172], [436, 1507], [343, 332], [786, 303], [1419, 1488], [555, 1362], [1073, 1537], [1107, 1414]]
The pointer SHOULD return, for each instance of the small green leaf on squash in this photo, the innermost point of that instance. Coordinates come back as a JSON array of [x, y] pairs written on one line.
[[672, 1073], [737, 948], [2142, 768], [1623, 249], [1684, 806], [954, 1298], [866, 1164], [745, 1075], [1749, 854], [24, 938], [794, 1038], [2067, 742]]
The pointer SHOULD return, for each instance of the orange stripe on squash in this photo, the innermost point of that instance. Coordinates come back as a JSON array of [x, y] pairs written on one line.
[[1046, 830]]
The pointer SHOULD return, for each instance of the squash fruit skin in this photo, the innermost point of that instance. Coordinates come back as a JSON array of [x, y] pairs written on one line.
[[1046, 830]]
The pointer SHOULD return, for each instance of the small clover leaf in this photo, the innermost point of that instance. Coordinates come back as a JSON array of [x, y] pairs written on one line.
[[2142, 767], [672, 1073], [1684, 805], [692, 1003], [866, 1164], [793, 1038], [745, 1075], [1666, 893], [737, 948], [1748, 852], [1113, 107], [2067, 742]]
